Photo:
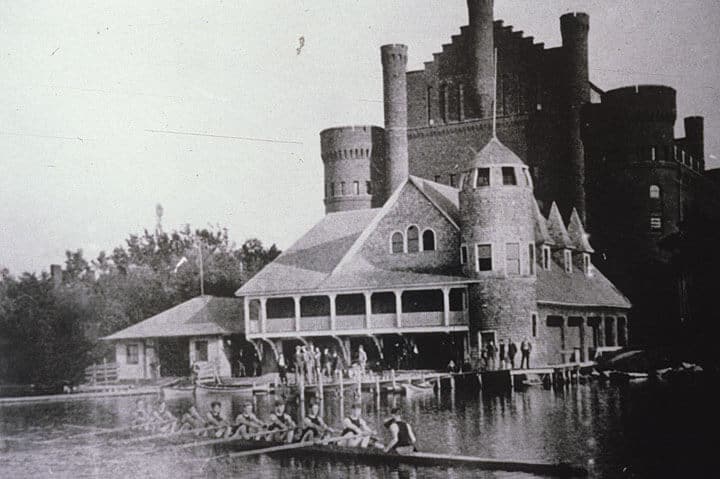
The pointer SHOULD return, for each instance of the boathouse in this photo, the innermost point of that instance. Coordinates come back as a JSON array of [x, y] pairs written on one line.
[[204, 329]]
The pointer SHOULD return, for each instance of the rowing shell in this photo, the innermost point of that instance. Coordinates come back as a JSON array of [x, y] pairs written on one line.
[[244, 389], [373, 455]]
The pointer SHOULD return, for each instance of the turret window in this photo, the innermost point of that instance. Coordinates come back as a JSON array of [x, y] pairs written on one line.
[[397, 243], [413, 239], [356, 187], [463, 254], [332, 189], [342, 188], [508, 175], [512, 258], [568, 260], [453, 181], [483, 177], [484, 257], [655, 192], [655, 222], [531, 259], [428, 240]]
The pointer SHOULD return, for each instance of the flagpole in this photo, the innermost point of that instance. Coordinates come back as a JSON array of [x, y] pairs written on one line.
[[202, 278]]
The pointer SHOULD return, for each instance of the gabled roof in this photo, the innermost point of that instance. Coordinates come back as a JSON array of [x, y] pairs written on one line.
[[541, 230], [577, 233], [327, 257], [200, 316], [556, 228], [577, 288], [495, 153]]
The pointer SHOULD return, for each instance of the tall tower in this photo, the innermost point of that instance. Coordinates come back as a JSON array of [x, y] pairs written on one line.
[[497, 211], [394, 62], [695, 137], [574, 28], [482, 47], [354, 167]]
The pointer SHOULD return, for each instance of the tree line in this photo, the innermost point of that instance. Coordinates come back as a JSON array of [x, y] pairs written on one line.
[[50, 327]]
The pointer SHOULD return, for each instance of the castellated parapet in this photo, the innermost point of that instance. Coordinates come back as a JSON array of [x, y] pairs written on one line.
[[354, 167]]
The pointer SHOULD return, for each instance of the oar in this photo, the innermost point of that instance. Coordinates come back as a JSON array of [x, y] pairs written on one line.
[[229, 439], [94, 433], [287, 447], [168, 434]]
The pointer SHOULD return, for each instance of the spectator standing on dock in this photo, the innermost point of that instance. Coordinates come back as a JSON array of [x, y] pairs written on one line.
[[491, 351], [282, 369], [512, 351], [525, 348], [298, 364], [334, 358], [362, 359], [325, 363], [503, 350], [317, 357], [308, 363]]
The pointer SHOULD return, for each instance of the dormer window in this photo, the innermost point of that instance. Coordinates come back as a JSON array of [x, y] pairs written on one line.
[[453, 181], [508, 175], [587, 265], [483, 177], [568, 260], [546, 258]]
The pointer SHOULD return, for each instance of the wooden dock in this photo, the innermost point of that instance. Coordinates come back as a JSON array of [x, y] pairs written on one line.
[[555, 375]]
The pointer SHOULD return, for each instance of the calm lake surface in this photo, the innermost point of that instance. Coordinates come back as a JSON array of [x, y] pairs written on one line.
[[640, 430]]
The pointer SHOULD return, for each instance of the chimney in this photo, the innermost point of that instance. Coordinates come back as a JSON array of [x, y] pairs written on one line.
[[56, 275], [482, 52], [394, 62]]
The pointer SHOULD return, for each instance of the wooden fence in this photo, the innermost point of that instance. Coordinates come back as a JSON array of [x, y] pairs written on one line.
[[103, 373]]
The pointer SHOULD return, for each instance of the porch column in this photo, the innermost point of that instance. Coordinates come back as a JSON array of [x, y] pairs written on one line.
[[563, 333], [368, 307], [296, 300], [583, 346], [446, 306], [332, 311], [246, 314], [398, 308], [263, 314]]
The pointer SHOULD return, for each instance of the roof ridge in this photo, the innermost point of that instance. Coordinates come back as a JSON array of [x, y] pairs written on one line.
[[415, 179]]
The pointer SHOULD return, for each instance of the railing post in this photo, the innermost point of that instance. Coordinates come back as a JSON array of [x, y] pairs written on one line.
[[246, 314], [446, 306], [398, 308], [296, 300], [263, 315], [333, 314], [368, 308]]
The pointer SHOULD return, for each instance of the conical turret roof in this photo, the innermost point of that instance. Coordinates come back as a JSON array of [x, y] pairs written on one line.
[[577, 233], [557, 230], [495, 153], [542, 235]]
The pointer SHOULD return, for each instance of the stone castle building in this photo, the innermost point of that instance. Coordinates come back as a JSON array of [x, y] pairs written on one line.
[[439, 231]]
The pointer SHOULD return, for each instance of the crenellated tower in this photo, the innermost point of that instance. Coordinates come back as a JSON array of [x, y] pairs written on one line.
[[574, 28], [354, 167], [394, 63]]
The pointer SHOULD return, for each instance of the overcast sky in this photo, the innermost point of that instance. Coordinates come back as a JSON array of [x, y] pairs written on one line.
[[89, 90]]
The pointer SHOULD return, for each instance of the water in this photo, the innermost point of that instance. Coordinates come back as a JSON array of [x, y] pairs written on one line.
[[642, 430]]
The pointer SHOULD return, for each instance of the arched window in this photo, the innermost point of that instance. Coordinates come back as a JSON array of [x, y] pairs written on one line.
[[428, 240], [413, 239], [397, 242], [655, 192]]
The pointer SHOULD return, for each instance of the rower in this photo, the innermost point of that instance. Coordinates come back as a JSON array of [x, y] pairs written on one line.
[[141, 416], [248, 424], [403, 439], [314, 426], [164, 418], [193, 420], [214, 417], [354, 425], [280, 420]]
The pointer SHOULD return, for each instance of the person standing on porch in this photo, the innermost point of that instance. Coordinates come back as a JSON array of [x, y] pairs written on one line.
[[325, 363], [334, 359], [362, 359], [298, 364], [317, 356], [282, 369], [491, 351], [512, 351], [525, 348]]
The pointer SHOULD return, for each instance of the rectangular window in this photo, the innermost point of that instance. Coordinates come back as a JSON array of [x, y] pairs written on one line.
[[437, 178], [133, 354], [512, 256], [332, 189], [655, 223], [483, 177], [201, 350], [568, 261], [531, 259], [342, 188], [534, 325], [508, 174], [546, 258], [463, 254], [453, 183], [368, 187], [484, 257], [356, 187]]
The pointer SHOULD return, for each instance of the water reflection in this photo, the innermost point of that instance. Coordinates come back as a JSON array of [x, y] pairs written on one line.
[[640, 429]]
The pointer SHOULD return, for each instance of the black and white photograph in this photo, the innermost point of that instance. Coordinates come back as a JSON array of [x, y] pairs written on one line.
[[362, 239]]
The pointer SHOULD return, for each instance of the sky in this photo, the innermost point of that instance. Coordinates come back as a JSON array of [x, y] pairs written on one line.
[[206, 107]]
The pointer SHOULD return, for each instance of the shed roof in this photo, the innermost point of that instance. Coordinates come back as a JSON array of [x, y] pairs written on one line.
[[200, 316]]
